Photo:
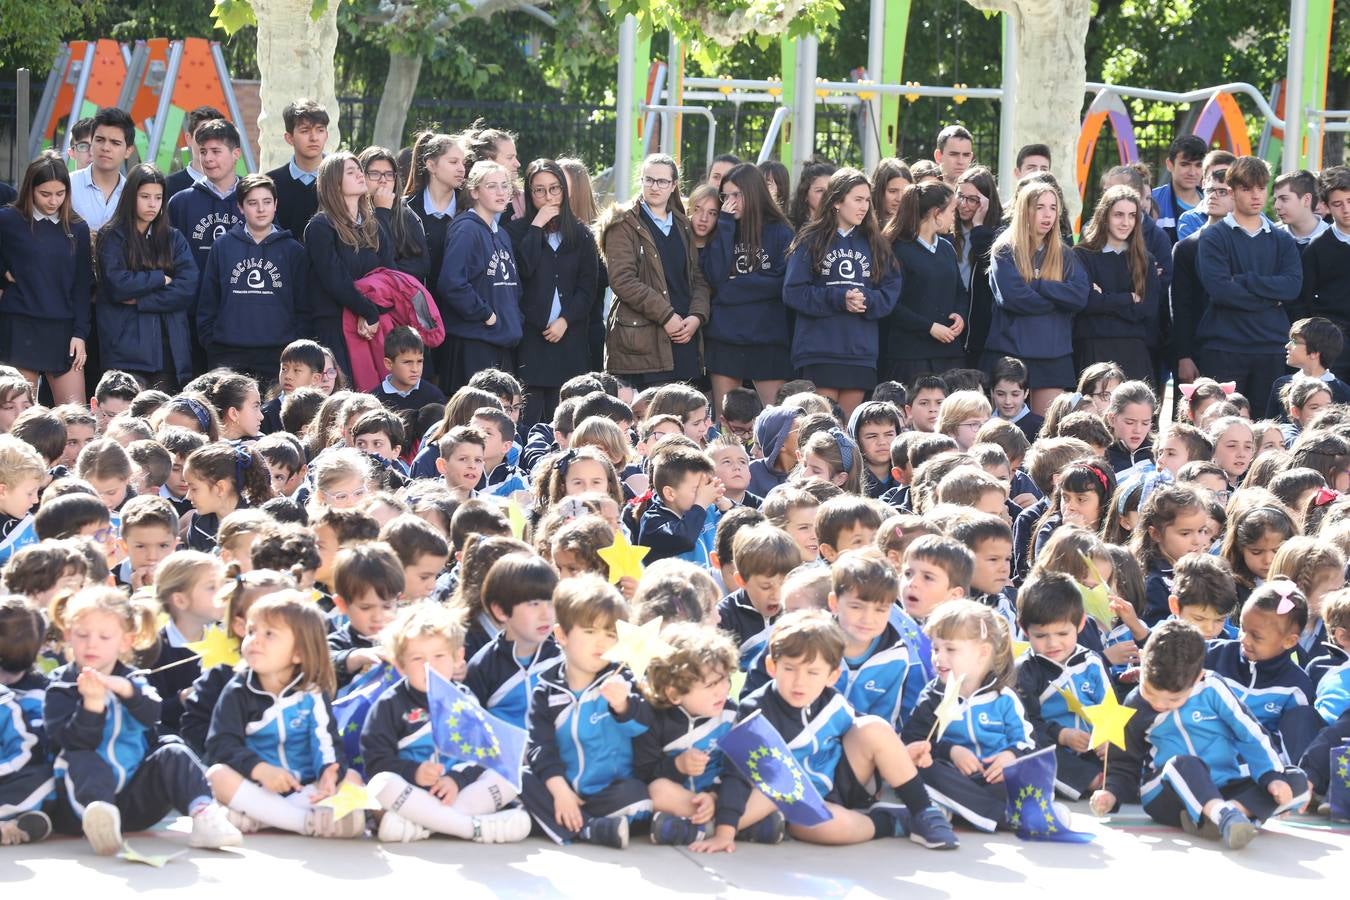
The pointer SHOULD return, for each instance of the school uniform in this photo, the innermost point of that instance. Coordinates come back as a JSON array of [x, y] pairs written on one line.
[[253, 301], [396, 737], [1170, 209], [930, 292], [689, 536], [271, 410], [415, 260], [992, 720], [48, 302], [293, 729], [1333, 693], [747, 336], [575, 735], [202, 532], [478, 279], [1304, 242], [88, 200], [873, 486], [831, 346], [504, 682], [15, 534], [1325, 657], [973, 261], [482, 630], [672, 732], [1326, 287], [203, 214], [1024, 531], [1040, 681], [1189, 301], [1275, 691], [1191, 221], [1211, 748], [422, 394], [1114, 327], [115, 756], [26, 782], [170, 683], [343, 641], [1123, 459], [1005, 604], [200, 703], [297, 197], [1252, 280], [1340, 393], [334, 268], [1033, 320], [737, 616], [1029, 423]]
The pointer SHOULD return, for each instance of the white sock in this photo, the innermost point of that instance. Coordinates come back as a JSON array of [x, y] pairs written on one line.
[[418, 806], [268, 808], [487, 795], [1219, 810]]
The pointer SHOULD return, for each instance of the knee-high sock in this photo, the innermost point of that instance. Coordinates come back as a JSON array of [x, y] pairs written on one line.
[[486, 795], [268, 808], [418, 806]]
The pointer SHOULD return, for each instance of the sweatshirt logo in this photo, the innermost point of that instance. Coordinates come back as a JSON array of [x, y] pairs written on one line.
[[846, 264], [1198, 716], [255, 276], [598, 717], [983, 719], [746, 264], [212, 226], [501, 268]]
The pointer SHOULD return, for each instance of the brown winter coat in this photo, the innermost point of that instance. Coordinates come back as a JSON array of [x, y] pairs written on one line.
[[635, 338]]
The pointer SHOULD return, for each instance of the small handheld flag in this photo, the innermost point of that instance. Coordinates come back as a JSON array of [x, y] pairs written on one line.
[[638, 645], [1338, 789], [353, 706], [948, 709], [624, 559], [756, 748], [464, 732], [1031, 793]]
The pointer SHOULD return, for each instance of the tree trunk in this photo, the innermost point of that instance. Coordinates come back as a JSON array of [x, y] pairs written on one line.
[[1051, 79], [295, 59], [399, 87]]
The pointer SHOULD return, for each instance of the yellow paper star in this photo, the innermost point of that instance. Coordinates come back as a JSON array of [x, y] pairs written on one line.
[[1020, 647], [737, 685], [1075, 705], [1097, 600], [1108, 720], [130, 854], [216, 647], [637, 645], [948, 709], [516, 516], [349, 798], [624, 559]]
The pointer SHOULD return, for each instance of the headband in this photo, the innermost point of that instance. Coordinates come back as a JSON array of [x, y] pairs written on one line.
[[243, 461], [1227, 387], [1144, 475], [198, 412], [1325, 495], [1101, 476], [564, 461], [845, 447]]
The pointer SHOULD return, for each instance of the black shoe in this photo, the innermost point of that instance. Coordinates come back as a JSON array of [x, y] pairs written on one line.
[[768, 830], [674, 831], [607, 831]]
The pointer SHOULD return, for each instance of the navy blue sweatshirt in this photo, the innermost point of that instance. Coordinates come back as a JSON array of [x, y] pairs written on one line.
[[253, 294], [1326, 287], [334, 268], [1189, 300], [979, 292], [477, 279], [747, 290], [825, 332], [1112, 312], [435, 229], [297, 202], [1251, 281], [132, 334], [1034, 319], [418, 262], [930, 291], [572, 272], [341, 643], [52, 272], [200, 703], [667, 533], [203, 217]]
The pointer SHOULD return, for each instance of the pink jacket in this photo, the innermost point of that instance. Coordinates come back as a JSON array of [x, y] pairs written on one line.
[[403, 300]]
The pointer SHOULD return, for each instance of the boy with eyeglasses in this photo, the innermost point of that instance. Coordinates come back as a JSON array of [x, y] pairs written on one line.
[[1189, 299]]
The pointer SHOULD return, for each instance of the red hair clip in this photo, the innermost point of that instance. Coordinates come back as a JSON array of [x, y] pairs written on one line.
[[1324, 496]]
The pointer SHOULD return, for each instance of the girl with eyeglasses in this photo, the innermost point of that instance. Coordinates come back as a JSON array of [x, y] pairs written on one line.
[[410, 241], [478, 286], [559, 268], [744, 262], [979, 213], [660, 296]]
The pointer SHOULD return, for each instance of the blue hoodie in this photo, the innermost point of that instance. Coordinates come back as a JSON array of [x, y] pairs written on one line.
[[131, 335], [478, 278], [293, 729], [991, 720], [253, 294], [825, 332], [1034, 319], [203, 217], [747, 294]]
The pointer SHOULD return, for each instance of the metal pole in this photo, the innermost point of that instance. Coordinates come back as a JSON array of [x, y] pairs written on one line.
[[165, 101], [1007, 109], [875, 57], [22, 123], [1293, 85], [804, 118], [625, 111], [80, 87]]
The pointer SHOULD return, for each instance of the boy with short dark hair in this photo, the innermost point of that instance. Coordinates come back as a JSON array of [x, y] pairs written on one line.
[[925, 401], [847, 522], [191, 173], [843, 754], [1032, 158], [1214, 168], [1203, 594], [937, 569], [95, 189], [989, 540], [1200, 752], [764, 555], [1326, 264], [461, 460], [81, 152], [421, 549], [149, 535], [501, 479], [302, 364], [180, 443], [954, 152], [1055, 669], [381, 433], [740, 407], [1185, 165], [306, 125], [1314, 344], [113, 395], [686, 505], [1012, 386], [1189, 299], [1252, 274], [875, 425], [404, 388], [1296, 207], [584, 714], [367, 586], [208, 208]]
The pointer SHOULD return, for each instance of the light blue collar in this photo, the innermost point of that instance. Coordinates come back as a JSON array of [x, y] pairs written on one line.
[[301, 175], [665, 224], [931, 248], [845, 232], [1340, 235], [1232, 222], [449, 210], [388, 387]]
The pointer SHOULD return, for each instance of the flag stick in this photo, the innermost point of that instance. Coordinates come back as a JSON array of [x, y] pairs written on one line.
[[187, 659]]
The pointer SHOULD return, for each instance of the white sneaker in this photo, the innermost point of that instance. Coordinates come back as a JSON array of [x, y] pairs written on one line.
[[506, 827], [212, 829], [394, 829], [243, 821], [103, 827]]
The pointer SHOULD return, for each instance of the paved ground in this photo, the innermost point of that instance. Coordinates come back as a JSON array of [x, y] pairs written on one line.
[[1130, 857]]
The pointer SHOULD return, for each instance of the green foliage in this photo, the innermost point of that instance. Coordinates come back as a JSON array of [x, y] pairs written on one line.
[[705, 24], [232, 15], [30, 32]]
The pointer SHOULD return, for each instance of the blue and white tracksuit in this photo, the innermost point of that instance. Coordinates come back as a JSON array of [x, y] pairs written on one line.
[[750, 628], [1039, 682], [674, 731], [504, 682], [1276, 691], [25, 766], [293, 730]]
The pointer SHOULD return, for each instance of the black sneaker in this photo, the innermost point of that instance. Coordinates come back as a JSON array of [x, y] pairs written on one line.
[[607, 831], [674, 831], [768, 830], [931, 829], [1236, 829], [35, 825]]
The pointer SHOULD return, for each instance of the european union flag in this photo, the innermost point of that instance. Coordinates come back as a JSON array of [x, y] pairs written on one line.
[[463, 732], [1031, 800], [352, 707], [1338, 789], [759, 751]]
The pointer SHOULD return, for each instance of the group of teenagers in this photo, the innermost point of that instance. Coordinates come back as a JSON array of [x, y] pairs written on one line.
[[1007, 517]]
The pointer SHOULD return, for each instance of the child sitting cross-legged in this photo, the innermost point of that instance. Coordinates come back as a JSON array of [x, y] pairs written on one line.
[[420, 793], [843, 754], [688, 686], [580, 784], [1194, 756], [1051, 613]]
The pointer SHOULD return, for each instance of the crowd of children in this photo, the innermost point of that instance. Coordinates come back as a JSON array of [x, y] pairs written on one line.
[[1010, 516]]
